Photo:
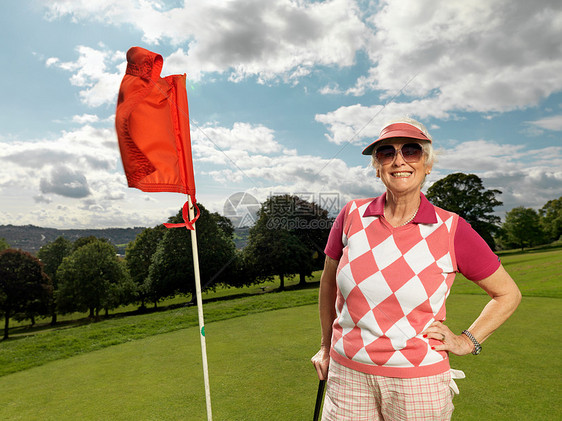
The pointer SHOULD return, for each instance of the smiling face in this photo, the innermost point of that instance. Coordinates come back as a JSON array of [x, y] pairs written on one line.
[[401, 177]]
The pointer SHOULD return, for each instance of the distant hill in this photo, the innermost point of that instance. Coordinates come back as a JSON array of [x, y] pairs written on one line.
[[31, 238], [241, 237]]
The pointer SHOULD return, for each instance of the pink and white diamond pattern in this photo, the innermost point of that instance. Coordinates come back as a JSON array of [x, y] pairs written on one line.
[[392, 283]]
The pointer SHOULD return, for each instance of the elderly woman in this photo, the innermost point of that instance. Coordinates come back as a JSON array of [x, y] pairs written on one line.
[[390, 264]]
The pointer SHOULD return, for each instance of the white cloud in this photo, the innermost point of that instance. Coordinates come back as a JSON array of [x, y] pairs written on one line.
[[251, 158], [517, 170], [524, 175], [484, 155], [85, 118], [485, 55], [243, 38], [52, 61], [78, 181], [242, 137], [76, 164], [448, 57], [65, 182], [98, 84], [436, 58], [332, 89], [553, 123], [357, 122], [529, 187]]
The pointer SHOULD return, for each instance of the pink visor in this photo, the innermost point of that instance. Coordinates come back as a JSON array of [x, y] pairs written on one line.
[[397, 130]]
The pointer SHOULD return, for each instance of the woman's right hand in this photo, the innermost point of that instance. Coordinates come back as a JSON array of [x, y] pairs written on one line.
[[321, 362]]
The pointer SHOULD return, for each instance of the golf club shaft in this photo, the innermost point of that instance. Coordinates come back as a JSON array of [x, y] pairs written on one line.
[[319, 398]]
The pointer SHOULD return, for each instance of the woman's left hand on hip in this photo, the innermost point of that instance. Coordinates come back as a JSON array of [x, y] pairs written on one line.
[[448, 341]]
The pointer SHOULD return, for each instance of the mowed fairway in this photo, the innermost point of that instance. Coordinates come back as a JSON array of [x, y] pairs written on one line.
[[259, 361], [259, 370]]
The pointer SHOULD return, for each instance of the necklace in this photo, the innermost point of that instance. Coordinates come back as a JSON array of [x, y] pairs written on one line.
[[409, 219]]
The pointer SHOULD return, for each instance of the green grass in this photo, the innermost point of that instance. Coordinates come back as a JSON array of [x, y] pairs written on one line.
[[517, 375], [37, 349], [252, 364], [210, 295], [149, 366], [537, 273], [259, 370]]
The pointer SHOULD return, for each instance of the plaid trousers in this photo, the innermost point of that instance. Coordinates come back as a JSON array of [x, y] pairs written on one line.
[[352, 395]]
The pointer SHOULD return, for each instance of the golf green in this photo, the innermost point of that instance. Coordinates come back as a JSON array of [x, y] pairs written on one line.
[[260, 370]]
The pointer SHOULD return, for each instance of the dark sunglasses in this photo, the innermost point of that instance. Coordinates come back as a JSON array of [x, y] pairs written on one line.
[[411, 152]]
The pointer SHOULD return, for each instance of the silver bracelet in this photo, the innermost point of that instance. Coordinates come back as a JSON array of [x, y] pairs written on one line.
[[477, 347]]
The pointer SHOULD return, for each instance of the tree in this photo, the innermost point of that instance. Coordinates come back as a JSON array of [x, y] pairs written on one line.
[[465, 195], [287, 239], [24, 287], [92, 278], [551, 219], [138, 257], [4, 244], [274, 252], [82, 241], [522, 228], [171, 271], [52, 255], [312, 226], [224, 223]]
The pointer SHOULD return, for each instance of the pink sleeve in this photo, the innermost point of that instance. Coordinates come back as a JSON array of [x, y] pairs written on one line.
[[334, 246], [475, 259]]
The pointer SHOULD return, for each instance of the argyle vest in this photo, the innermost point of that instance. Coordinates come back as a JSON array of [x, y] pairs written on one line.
[[392, 284]]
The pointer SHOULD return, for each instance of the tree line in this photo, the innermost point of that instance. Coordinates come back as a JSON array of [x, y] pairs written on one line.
[[287, 240], [466, 195], [88, 276]]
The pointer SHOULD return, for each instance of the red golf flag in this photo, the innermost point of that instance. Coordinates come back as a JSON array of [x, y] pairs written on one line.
[[152, 124]]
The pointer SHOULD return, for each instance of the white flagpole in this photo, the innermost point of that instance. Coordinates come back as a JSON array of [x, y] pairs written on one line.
[[200, 312]]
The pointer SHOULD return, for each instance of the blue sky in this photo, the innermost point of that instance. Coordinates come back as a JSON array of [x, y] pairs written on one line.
[[283, 94]]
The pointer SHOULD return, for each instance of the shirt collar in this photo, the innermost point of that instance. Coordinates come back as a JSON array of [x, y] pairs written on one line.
[[426, 212]]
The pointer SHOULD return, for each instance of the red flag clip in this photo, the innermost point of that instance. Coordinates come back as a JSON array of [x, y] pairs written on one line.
[[188, 224]]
